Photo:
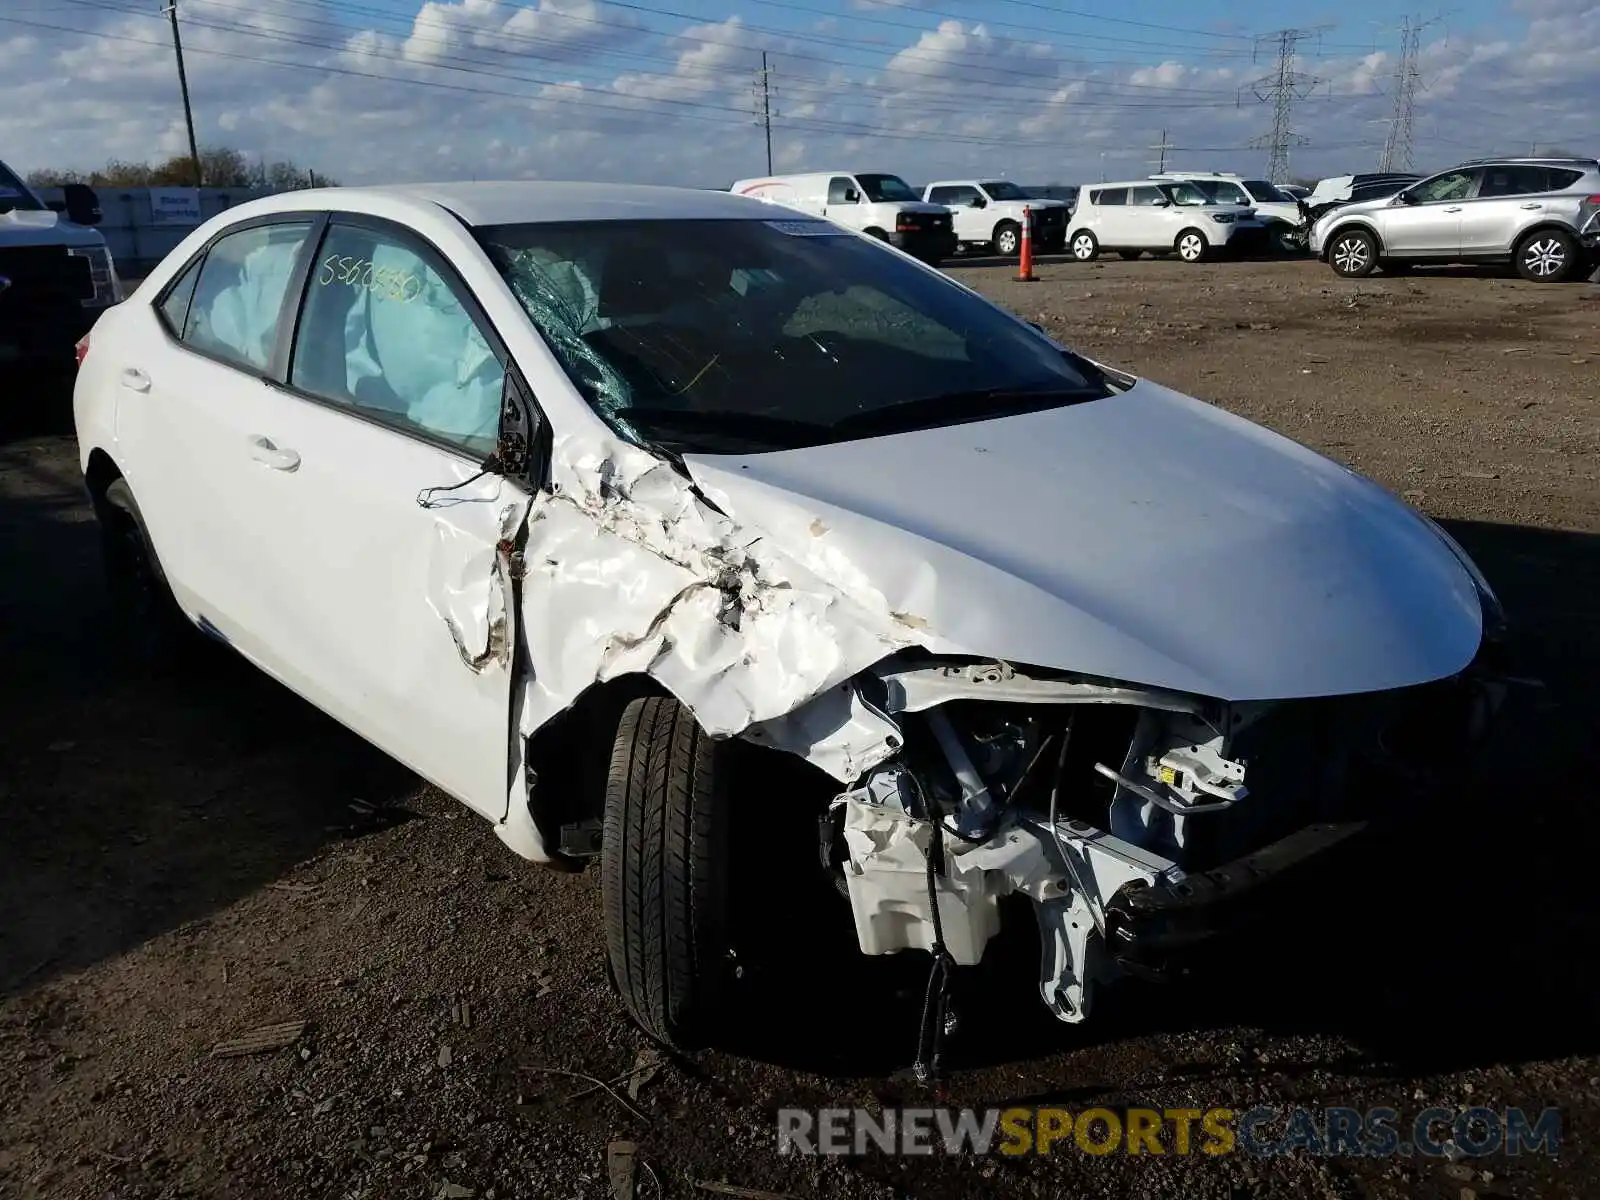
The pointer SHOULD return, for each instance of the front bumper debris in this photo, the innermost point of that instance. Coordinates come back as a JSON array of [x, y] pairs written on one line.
[[1150, 928]]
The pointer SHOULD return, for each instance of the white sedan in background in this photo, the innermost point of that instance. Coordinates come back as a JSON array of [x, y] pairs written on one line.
[[558, 493]]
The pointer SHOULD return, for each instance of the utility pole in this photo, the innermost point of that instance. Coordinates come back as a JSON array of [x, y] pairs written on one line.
[[183, 84], [1161, 163], [764, 112], [1281, 89], [1397, 145]]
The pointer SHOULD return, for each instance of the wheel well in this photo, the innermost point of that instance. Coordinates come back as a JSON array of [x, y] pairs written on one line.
[[874, 231], [1338, 230], [1187, 229], [1001, 224], [98, 475], [1543, 227], [569, 756]]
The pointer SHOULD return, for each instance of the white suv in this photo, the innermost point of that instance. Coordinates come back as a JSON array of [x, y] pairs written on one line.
[[1284, 216], [1160, 217], [989, 213]]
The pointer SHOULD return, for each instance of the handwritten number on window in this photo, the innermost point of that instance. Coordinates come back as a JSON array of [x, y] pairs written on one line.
[[387, 282]]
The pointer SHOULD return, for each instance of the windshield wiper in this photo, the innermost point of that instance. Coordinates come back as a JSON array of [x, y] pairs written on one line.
[[755, 428], [951, 408]]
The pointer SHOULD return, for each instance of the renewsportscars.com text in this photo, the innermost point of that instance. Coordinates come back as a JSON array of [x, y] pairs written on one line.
[[1265, 1131]]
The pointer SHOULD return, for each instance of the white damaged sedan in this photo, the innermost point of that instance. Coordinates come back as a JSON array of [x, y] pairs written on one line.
[[560, 494]]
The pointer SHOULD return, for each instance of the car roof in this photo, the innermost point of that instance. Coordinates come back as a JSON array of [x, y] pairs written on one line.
[[530, 202], [1128, 183]]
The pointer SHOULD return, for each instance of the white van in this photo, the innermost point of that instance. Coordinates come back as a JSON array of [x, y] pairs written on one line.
[[871, 202], [56, 274]]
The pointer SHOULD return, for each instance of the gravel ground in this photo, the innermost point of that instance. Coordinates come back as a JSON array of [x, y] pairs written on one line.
[[192, 856]]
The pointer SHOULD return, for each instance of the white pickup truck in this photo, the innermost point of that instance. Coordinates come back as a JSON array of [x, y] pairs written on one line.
[[988, 213], [56, 274]]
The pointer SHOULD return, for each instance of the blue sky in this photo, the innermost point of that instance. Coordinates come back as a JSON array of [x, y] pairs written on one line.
[[662, 90]]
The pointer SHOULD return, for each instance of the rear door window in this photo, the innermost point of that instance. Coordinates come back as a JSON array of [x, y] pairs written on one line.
[[174, 306], [234, 311], [1111, 196]]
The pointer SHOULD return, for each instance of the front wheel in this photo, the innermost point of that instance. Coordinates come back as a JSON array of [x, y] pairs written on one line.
[[1353, 254], [1547, 256], [1084, 246], [1192, 246], [1007, 238], [664, 871]]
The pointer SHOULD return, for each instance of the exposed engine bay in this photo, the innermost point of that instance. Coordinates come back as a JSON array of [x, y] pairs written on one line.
[[1129, 817]]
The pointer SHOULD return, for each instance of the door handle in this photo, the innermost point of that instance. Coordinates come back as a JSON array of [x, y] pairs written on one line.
[[1454, 208], [1533, 205], [135, 380], [265, 452]]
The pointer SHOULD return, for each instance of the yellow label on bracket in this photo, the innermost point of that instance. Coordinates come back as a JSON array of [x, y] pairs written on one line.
[[1168, 775]]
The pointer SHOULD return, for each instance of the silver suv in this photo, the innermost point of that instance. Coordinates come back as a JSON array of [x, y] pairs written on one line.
[[1541, 214]]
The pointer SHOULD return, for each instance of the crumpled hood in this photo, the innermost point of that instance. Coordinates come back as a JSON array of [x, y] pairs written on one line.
[[48, 228], [1146, 537]]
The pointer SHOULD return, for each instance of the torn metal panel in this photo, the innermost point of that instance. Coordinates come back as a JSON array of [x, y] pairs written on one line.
[[627, 570], [837, 731], [916, 689], [469, 577]]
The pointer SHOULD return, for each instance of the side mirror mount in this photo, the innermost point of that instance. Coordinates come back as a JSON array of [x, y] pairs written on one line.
[[977, 202], [1404, 197], [851, 196], [81, 203]]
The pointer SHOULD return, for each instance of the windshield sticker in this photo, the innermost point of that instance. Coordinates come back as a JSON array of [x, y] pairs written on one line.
[[807, 228], [391, 282]]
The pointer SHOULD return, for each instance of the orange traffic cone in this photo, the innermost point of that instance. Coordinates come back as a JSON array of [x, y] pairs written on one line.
[[1025, 267]]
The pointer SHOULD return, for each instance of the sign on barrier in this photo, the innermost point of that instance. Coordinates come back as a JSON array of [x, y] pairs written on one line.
[[175, 206]]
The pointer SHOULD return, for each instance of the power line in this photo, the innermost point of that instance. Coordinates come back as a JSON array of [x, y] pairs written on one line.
[[1027, 102], [816, 125], [1281, 89]]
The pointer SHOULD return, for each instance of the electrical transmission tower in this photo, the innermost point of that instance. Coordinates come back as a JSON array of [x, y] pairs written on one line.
[[1397, 145], [764, 91], [1281, 89]]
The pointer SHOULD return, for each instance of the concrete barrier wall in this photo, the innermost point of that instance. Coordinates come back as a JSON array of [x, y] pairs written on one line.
[[139, 236]]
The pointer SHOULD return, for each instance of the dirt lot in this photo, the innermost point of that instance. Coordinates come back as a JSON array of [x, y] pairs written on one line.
[[189, 857]]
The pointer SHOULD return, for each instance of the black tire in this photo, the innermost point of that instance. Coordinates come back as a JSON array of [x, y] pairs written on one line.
[[152, 628], [1130, 255], [877, 233], [1192, 246], [1353, 253], [1007, 239], [1547, 256], [664, 872], [1085, 246]]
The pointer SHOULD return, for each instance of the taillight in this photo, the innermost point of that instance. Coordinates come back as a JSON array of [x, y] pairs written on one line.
[[81, 349]]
